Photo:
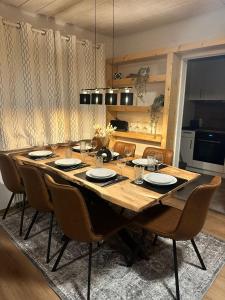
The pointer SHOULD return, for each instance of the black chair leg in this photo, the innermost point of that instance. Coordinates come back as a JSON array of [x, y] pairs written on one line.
[[50, 237], [89, 271], [31, 225], [60, 254], [198, 254], [176, 269], [8, 206], [155, 240], [22, 214]]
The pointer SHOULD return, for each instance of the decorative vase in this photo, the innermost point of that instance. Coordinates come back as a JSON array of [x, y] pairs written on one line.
[[102, 142]]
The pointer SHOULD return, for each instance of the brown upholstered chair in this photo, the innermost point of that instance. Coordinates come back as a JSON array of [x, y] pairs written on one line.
[[122, 148], [38, 198], [77, 223], [180, 225], [167, 154], [13, 182]]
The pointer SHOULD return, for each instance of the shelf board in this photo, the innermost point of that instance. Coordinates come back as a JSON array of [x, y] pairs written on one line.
[[138, 136], [127, 108], [125, 82], [140, 56]]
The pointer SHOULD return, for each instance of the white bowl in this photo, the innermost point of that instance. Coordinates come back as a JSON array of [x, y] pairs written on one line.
[[67, 162], [140, 161], [40, 153], [78, 148], [159, 179], [101, 173]]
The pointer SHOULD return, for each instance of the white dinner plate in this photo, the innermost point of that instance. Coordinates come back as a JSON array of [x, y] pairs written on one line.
[[40, 153], [101, 173], [159, 179], [140, 161], [78, 147], [67, 162]]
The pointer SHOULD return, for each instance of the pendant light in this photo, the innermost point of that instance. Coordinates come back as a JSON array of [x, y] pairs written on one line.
[[85, 98], [93, 95], [96, 96], [126, 97], [110, 96]]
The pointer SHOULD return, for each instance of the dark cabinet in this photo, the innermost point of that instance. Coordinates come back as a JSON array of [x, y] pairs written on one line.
[[206, 79]]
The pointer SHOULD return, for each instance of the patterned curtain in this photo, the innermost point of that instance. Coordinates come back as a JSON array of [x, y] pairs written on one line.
[[41, 76]]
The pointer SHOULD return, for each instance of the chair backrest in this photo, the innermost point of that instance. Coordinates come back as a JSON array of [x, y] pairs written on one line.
[[10, 174], [122, 147], [167, 154], [70, 211], [195, 210], [35, 187]]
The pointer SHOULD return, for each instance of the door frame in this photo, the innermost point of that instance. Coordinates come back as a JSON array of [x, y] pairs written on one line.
[[181, 96]]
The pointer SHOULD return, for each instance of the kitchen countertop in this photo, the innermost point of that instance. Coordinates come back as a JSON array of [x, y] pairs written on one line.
[[204, 129]]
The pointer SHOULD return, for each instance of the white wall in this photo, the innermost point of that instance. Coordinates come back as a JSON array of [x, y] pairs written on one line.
[[13, 14], [204, 27]]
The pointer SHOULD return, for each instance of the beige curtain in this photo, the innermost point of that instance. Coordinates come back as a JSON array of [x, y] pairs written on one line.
[[40, 80]]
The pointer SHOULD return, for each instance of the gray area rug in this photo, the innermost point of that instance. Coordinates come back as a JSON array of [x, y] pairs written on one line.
[[111, 279], [218, 200]]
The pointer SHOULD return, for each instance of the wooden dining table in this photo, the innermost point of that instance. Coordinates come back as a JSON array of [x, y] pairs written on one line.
[[125, 194]]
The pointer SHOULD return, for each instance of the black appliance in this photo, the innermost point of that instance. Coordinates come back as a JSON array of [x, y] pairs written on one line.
[[209, 147], [120, 125]]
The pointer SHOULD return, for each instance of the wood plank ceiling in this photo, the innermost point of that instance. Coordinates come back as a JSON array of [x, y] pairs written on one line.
[[130, 15]]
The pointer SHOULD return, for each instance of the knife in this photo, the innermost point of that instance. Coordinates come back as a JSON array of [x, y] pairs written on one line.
[[119, 178]]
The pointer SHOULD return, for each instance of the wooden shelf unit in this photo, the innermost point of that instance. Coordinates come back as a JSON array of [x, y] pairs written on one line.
[[138, 136], [125, 82], [171, 80], [128, 108]]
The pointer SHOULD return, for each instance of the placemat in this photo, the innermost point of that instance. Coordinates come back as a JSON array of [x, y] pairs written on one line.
[[40, 158], [111, 181], [67, 169], [131, 164], [161, 189]]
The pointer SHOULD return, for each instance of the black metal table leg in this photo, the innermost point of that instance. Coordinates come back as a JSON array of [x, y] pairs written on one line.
[[198, 254], [155, 240], [176, 269], [8, 206], [137, 249]]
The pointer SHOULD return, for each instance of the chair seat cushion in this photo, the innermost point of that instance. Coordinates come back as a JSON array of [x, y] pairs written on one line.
[[159, 219]]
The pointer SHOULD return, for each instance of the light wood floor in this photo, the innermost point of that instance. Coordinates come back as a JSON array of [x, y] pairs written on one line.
[[21, 280]]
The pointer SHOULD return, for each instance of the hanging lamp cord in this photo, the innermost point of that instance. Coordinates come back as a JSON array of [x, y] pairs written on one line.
[[95, 43], [113, 39]]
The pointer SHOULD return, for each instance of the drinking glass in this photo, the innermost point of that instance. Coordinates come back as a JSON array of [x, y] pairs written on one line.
[[127, 152], [68, 152], [151, 162], [94, 144], [138, 174], [121, 164], [84, 156], [40, 145], [54, 147], [99, 162], [159, 160], [82, 146]]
